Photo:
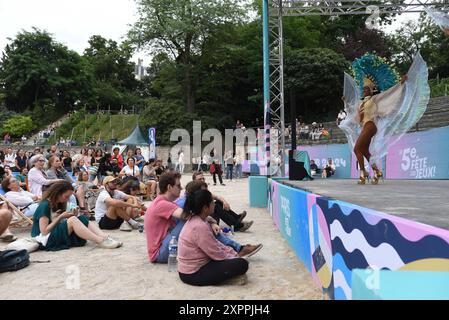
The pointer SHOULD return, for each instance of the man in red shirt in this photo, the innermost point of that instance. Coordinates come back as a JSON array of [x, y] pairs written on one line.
[[163, 218]]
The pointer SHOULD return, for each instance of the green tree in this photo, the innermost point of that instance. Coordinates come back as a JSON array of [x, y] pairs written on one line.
[[227, 80], [423, 36], [18, 125], [113, 72], [363, 41], [5, 114], [316, 76], [166, 116], [180, 28], [34, 67]]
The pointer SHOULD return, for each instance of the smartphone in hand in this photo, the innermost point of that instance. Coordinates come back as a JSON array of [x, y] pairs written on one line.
[[75, 211]]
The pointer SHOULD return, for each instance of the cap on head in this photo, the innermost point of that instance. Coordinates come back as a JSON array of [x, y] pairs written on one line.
[[109, 179]]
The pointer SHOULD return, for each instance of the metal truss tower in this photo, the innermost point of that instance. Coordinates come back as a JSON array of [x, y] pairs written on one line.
[[273, 53]]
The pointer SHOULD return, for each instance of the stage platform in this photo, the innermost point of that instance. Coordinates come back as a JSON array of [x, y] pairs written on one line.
[[425, 201]]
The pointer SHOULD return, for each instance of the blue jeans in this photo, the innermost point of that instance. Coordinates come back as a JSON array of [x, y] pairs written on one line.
[[239, 172], [228, 242], [229, 172], [163, 251]]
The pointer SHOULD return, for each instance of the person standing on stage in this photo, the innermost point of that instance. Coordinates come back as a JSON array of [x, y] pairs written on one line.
[[387, 111]]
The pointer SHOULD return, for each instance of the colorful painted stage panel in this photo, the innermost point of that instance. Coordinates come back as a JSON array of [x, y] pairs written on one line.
[[332, 238], [399, 285]]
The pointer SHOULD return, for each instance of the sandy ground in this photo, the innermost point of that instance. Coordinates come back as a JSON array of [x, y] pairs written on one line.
[[125, 273]]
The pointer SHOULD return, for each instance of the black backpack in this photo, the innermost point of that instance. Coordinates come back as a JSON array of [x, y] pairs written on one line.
[[13, 260]]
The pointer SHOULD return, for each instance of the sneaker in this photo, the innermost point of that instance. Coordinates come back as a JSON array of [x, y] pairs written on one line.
[[8, 238], [119, 242], [246, 226], [134, 224], [249, 250], [138, 219], [109, 243], [223, 184], [215, 184], [242, 216], [138, 226], [126, 227]]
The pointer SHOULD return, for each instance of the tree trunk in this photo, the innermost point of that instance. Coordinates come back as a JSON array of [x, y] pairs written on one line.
[[36, 95], [190, 91], [190, 86]]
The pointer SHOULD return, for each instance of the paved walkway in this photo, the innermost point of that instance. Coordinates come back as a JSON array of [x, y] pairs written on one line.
[[125, 273]]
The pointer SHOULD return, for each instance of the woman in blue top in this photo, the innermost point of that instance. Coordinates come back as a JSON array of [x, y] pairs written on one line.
[[55, 228], [140, 160]]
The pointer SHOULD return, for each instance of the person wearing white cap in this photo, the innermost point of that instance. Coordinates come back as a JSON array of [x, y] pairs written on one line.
[[115, 209]]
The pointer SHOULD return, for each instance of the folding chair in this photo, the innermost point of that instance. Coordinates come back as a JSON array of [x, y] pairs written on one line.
[[18, 212]]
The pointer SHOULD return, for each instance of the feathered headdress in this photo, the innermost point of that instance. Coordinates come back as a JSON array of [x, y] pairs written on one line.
[[374, 72]]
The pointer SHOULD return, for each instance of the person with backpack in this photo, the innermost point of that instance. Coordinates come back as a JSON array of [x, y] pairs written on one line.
[[216, 170]]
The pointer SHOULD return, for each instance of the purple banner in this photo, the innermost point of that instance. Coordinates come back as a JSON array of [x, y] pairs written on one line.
[[420, 155]]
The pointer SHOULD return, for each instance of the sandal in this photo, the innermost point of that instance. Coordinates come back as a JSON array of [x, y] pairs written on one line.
[[8, 238]]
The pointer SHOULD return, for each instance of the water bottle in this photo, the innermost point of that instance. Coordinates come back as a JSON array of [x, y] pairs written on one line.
[[173, 255]]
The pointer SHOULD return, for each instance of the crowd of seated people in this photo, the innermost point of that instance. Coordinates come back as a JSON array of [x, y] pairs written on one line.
[[314, 132], [52, 188], [327, 171], [27, 176], [205, 257]]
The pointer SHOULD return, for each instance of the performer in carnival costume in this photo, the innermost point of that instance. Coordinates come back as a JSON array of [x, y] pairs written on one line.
[[440, 18], [389, 108]]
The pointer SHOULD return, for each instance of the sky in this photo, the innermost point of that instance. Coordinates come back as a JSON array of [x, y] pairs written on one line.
[[71, 22], [74, 22]]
